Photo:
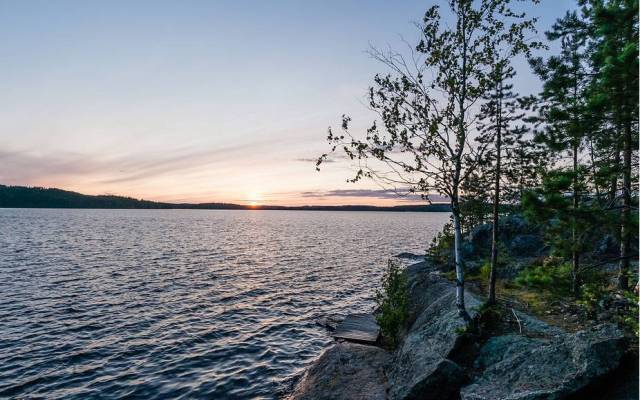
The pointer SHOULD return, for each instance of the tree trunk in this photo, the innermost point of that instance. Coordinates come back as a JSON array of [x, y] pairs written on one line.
[[575, 283], [461, 140], [613, 185], [496, 203], [612, 198], [593, 168], [625, 235], [459, 262]]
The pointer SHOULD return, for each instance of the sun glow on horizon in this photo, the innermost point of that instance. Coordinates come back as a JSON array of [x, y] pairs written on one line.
[[255, 199]]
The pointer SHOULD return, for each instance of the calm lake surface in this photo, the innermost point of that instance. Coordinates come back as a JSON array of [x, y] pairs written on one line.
[[180, 303]]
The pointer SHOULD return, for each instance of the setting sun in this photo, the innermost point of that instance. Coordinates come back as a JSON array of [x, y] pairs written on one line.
[[254, 199]]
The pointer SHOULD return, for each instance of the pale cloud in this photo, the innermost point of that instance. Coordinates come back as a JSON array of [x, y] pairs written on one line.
[[28, 168], [402, 194]]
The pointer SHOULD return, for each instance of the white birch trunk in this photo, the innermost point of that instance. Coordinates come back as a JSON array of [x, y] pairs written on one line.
[[459, 266]]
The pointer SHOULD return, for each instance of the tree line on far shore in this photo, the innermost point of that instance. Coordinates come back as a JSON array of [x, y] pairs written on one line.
[[38, 197], [450, 121]]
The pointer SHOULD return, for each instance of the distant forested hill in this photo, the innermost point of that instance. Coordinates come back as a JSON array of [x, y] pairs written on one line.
[[19, 196], [37, 197]]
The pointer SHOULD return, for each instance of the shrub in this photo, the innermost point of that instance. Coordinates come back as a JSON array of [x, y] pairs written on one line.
[[392, 299], [591, 294], [441, 247], [504, 255], [485, 271], [595, 297], [553, 275], [480, 274], [629, 319], [490, 317]]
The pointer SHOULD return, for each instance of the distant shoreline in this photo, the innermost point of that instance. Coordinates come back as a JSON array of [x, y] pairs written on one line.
[[275, 208], [36, 197]]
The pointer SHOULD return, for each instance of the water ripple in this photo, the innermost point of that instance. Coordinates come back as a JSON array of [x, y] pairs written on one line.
[[157, 304]]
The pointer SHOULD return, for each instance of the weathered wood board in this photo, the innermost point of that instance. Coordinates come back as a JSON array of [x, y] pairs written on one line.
[[358, 328]]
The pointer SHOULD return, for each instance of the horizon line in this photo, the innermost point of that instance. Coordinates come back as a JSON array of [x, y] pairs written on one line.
[[256, 206]]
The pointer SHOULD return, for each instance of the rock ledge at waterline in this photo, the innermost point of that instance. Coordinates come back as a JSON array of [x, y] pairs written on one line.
[[543, 362]]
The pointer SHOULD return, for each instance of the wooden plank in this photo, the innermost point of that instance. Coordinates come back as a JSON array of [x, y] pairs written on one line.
[[358, 328]]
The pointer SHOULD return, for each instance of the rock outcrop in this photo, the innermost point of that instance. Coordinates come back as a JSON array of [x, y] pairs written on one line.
[[543, 362], [518, 236], [421, 366], [409, 256], [346, 371], [523, 368]]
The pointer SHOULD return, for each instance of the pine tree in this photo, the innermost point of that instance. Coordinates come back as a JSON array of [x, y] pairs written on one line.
[[614, 97], [525, 164], [566, 77], [499, 113], [475, 202]]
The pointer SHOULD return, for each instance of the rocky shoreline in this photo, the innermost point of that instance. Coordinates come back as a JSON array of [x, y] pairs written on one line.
[[441, 357]]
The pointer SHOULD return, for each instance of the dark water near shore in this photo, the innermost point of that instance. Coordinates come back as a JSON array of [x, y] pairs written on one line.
[[176, 303]]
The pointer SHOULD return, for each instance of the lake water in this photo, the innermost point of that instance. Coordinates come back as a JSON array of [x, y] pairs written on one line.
[[179, 303]]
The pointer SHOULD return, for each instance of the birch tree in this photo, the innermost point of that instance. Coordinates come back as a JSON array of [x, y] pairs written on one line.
[[427, 105]]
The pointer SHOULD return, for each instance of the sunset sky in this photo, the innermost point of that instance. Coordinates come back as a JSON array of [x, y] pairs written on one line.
[[195, 101]]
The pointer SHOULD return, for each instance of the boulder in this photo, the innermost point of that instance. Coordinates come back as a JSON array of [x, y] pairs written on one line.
[[500, 347], [346, 371], [607, 246], [478, 241], [521, 238], [525, 245], [534, 327], [471, 249], [419, 270], [424, 287], [524, 368], [421, 366], [515, 224]]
